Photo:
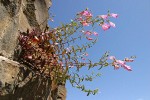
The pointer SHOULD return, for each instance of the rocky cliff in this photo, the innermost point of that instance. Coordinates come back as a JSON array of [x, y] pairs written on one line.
[[17, 82]]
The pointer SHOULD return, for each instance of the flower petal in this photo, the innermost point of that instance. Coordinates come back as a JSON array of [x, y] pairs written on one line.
[[112, 57], [127, 67], [103, 16], [105, 26], [95, 33], [112, 24], [114, 15]]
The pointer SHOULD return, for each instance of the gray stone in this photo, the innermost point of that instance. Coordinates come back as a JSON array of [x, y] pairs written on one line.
[[16, 80], [20, 15], [9, 70]]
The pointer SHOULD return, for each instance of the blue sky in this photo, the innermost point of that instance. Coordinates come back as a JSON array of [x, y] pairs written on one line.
[[130, 37]]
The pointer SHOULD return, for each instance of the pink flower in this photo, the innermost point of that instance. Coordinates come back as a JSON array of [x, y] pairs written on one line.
[[114, 15], [79, 19], [86, 54], [112, 58], [84, 23], [112, 24], [95, 33], [89, 38], [127, 67], [119, 63], [88, 33], [105, 26], [83, 59], [122, 63], [103, 16], [85, 13], [89, 15]]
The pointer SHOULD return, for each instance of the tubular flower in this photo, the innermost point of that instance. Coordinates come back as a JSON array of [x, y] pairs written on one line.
[[84, 23], [79, 19], [103, 16], [88, 32], [120, 63], [85, 13], [112, 24], [112, 58], [114, 15], [127, 67], [89, 38], [84, 17], [95, 33], [105, 26]]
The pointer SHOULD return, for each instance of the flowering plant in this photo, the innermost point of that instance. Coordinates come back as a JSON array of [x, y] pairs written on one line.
[[53, 53]]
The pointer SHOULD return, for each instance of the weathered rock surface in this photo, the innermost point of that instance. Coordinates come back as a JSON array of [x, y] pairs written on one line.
[[16, 81], [20, 15], [9, 71]]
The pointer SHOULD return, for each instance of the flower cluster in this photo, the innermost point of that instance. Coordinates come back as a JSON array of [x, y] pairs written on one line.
[[84, 17], [121, 63], [89, 33], [106, 23]]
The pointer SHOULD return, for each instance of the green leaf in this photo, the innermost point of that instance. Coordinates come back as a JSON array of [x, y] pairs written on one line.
[[74, 23], [88, 93], [95, 91]]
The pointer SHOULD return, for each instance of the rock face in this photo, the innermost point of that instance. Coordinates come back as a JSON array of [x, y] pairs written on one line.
[[20, 15], [9, 70], [16, 81]]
